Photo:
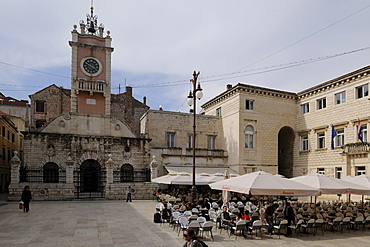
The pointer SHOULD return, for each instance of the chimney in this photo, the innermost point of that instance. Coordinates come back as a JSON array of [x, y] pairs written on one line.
[[144, 100], [129, 91], [228, 87]]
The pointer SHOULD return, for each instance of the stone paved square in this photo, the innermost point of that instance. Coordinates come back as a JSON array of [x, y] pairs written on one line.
[[118, 223]]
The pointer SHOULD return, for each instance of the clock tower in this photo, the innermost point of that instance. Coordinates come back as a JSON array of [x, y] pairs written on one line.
[[91, 68]]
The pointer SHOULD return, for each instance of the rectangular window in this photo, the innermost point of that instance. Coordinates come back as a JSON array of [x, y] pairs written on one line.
[[321, 140], [362, 91], [364, 133], [218, 112], [339, 139], [40, 106], [249, 104], [321, 171], [338, 172], [9, 155], [170, 138], [304, 143], [340, 98], [321, 103], [211, 142], [360, 170], [305, 108], [190, 141], [3, 153], [3, 132], [13, 138]]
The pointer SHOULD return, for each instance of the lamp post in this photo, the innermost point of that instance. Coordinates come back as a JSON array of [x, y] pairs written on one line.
[[194, 94]]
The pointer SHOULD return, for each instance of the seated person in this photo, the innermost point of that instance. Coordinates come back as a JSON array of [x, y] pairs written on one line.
[[226, 219], [160, 205], [166, 213], [182, 207]]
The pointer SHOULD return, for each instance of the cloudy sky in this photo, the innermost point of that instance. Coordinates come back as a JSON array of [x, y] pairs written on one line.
[[159, 43]]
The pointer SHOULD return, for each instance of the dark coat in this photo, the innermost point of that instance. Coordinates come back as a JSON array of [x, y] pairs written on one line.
[[26, 196], [289, 214]]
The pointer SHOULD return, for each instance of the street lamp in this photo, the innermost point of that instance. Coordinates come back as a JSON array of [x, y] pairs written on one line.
[[194, 94]]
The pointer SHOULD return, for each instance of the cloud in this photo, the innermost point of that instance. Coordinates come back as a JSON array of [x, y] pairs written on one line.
[[157, 42]]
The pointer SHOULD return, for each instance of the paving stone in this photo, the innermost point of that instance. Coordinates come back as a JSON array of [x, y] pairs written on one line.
[[114, 223]]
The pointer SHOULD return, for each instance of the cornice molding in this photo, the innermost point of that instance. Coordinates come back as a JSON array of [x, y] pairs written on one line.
[[334, 83]]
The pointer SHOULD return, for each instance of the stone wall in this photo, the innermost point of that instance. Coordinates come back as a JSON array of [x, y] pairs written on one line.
[[57, 101], [127, 109]]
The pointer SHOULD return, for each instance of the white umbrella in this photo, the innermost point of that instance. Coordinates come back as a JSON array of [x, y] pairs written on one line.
[[262, 183], [363, 180], [166, 179], [181, 178], [205, 178], [331, 185]]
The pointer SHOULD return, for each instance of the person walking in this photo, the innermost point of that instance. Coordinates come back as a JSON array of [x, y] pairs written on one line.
[[26, 198], [290, 217], [269, 217], [129, 192]]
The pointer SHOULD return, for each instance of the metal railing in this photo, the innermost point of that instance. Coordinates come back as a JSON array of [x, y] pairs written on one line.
[[356, 149], [133, 176], [39, 175]]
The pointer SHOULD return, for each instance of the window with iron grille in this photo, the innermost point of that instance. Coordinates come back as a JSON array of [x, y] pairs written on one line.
[[51, 173], [127, 173]]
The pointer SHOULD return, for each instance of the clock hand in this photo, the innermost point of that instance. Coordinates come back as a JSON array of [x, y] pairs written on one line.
[[92, 66]]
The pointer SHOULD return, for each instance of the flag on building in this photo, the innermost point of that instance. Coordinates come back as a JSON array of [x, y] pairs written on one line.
[[333, 134], [359, 131]]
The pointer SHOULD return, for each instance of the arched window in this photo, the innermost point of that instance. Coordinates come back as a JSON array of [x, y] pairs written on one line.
[[51, 173], [249, 137], [127, 173]]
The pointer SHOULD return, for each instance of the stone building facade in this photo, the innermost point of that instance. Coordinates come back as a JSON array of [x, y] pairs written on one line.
[[171, 136], [343, 104], [84, 142], [258, 127], [11, 141], [291, 133]]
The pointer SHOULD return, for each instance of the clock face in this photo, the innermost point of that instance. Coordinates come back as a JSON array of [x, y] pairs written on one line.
[[91, 66]]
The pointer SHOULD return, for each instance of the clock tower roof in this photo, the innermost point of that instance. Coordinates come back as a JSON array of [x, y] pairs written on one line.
[[91, 27]]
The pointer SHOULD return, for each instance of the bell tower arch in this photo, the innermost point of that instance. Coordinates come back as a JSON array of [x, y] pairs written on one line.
[[91, 67]]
